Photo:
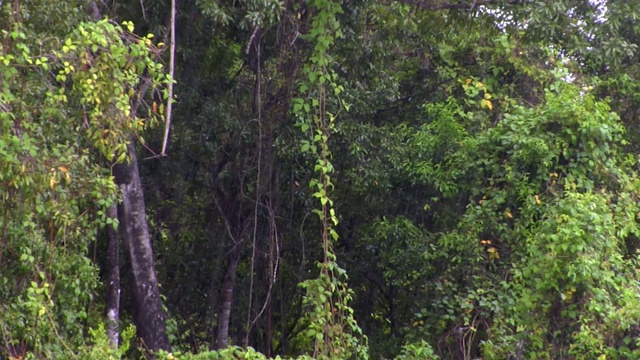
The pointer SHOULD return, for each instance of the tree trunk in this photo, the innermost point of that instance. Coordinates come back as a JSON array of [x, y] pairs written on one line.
[[148, 314], [268, 328], [227, 298], [112, 302], [213, 294]]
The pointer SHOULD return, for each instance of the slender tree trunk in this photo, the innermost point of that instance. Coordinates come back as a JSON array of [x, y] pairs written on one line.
[[268, 328], [212, 302], [392, 309], [213, 297], [227, 298], [112, 296], [112, 302], [148, 314]]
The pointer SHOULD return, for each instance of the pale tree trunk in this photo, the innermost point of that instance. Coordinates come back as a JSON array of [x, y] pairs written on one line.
[[112, 302], [227, 298], [213, 295], [268, 327], [148, 315]]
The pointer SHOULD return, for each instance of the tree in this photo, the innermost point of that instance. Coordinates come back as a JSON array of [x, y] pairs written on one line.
[[148, 313]]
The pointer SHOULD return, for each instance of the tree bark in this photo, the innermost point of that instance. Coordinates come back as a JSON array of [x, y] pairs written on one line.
[[148, 314], [268, 327], [112, 302], [227, 298], [213, 293]]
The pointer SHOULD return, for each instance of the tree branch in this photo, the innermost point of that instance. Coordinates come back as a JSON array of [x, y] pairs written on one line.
[[171, 70], [434, 5]]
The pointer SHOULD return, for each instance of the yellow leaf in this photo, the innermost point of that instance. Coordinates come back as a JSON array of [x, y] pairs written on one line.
[[489, 104], [63, 169], [493, 253], [538, 201], [468, 81], [509, 214], [52, 182]]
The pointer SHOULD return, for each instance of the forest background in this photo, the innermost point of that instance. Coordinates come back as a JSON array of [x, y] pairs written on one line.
[[404, 179]]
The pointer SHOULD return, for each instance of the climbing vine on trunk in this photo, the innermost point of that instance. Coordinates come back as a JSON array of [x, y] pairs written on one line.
[[331, 327]]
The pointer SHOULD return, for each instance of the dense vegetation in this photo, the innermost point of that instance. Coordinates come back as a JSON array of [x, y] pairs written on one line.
[[406, 179]]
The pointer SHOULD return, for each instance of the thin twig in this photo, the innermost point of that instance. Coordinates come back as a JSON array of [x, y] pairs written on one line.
[[144, 11]]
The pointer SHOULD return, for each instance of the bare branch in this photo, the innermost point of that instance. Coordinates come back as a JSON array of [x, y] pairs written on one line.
[[436, 5], [171, 70]]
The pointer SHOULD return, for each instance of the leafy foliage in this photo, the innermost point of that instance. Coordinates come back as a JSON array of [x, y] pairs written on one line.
[[60, 106], [472, 168], [548, 221]]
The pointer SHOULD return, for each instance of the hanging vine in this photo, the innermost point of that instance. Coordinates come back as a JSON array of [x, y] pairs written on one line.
[[331, 326]]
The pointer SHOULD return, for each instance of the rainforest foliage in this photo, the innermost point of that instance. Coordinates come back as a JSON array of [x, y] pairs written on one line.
[[408, 179]]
